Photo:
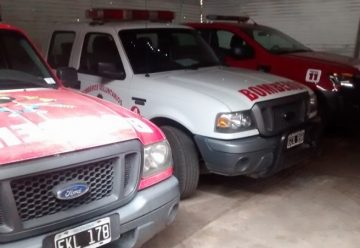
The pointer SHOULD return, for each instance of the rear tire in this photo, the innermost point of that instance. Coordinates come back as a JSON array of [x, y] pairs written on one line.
[[186, 161]]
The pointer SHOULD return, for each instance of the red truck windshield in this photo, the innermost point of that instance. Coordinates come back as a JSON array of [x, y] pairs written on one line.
[[275, 41], [20, 66], [157, 50]]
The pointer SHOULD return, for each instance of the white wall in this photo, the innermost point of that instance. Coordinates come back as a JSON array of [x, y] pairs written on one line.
[[329, 25], [36, 16]]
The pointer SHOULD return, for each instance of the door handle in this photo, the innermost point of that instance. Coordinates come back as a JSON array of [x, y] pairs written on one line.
[[139, 101]]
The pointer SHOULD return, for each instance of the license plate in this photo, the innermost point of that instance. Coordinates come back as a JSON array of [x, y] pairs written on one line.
[[295, 139], [91, 235]]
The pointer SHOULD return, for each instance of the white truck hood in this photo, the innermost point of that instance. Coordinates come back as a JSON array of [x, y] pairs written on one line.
[[238, 89]]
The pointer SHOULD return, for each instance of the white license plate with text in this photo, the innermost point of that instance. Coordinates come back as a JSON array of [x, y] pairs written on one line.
[[91, 235], [295, 139]]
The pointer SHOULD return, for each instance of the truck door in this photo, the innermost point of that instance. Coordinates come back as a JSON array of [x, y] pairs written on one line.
[[101, 70], [232, 49]]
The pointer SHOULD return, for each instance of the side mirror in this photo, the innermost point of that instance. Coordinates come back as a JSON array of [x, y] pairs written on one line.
[[242, 52], [69, 77], [109, 70]]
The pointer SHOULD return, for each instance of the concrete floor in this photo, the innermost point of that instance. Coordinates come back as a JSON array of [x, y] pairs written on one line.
[[313, 205]]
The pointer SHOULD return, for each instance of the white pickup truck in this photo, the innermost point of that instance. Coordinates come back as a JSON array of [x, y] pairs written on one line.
[[230, 121]]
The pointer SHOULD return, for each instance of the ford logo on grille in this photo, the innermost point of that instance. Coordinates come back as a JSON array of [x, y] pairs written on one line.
[[70, 190]]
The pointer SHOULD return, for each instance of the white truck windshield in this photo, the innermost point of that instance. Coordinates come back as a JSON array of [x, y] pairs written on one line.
[[158, 50]]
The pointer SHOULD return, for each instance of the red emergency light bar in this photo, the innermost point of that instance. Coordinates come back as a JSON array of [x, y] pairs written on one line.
[[129, 15], [227, 18]]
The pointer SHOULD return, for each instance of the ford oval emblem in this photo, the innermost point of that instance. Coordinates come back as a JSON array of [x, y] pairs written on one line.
[[71, 190]]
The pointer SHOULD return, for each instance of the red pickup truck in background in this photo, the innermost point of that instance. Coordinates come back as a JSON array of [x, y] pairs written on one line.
[[334, 78]]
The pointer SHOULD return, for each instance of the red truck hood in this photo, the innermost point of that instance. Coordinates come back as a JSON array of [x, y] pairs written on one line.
[[45, 122], [326, 58]]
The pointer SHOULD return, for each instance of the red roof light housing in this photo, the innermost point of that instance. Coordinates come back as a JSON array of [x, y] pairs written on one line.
[[129, 15]]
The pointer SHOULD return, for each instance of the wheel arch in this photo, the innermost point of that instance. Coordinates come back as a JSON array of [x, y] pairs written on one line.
[[161, 121], [186, 154]]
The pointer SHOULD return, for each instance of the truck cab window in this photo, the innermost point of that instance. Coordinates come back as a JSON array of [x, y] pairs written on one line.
[[20, 65], [232, 45], [100, 56], [60, 49]]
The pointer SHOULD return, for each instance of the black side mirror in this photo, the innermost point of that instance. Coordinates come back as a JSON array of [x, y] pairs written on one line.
[[109, 70], [242, 52], [69, 77]]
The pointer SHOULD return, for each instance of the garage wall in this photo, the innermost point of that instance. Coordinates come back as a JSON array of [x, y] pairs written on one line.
[[329, 25], [185, 9], [37, 16]]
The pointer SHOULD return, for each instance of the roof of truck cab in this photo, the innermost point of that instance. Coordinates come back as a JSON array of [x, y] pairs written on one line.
[[117, 25], [226, 24], [8, 27]]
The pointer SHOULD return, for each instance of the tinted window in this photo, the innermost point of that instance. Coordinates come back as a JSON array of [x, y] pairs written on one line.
[[156, 50], [99, 50], [60, 49], [224, 39], [211, 37], [205, 34], [226, 43], [20, 65]]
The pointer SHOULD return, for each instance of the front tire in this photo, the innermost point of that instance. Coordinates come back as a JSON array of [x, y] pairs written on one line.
[[186, 161]]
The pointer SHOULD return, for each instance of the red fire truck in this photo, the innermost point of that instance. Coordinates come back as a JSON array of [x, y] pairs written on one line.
[[240, 42]]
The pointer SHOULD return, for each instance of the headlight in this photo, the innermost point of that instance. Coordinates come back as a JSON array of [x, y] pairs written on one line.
[[312, 106], [234, 122], [157, 158], [345, 80]]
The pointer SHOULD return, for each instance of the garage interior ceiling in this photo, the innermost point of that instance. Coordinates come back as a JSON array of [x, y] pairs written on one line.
[[327, 25]]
